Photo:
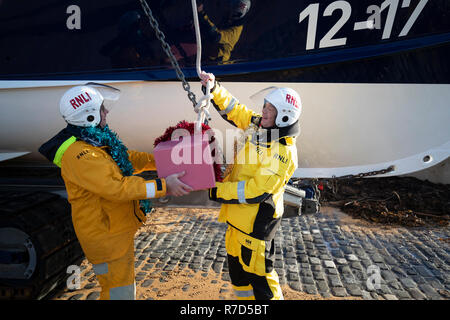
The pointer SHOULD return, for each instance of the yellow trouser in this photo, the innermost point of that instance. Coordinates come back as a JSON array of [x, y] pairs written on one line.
[[250, 263], [116, 277]]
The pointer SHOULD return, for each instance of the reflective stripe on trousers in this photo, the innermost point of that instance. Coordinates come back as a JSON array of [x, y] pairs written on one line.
[[123, 293], [116, 277], [244, 292]]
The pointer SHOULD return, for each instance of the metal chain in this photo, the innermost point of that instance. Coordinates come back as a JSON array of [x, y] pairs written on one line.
[[165, 46], [366, 174], [333, 183]]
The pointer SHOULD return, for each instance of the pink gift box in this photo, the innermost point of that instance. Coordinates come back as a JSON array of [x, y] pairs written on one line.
[[191, 154]]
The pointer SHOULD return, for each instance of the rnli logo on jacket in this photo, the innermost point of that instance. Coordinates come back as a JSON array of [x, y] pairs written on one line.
[[280, 158], [291, 100], [259, 151], [79, 100], [82, 153]]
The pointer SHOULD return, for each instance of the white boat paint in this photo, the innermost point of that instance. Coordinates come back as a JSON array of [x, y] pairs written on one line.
[[7, 155], [417, 162], [343, 125]]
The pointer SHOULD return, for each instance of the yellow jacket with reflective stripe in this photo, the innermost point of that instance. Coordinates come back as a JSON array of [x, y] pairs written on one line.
[[252, 194], [105, 212]]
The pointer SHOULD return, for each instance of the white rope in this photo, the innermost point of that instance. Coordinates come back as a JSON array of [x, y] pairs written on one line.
[[204, 102]]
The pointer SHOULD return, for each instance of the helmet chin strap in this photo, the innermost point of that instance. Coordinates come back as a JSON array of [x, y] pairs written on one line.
[[292, 131], [270, 128]]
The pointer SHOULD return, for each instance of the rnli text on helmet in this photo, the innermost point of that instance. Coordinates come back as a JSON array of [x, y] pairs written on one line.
[[291, 100], [80, 99]]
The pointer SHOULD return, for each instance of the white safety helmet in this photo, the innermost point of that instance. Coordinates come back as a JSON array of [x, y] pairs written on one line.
[[239, 8], [288, 105], [80, 105]]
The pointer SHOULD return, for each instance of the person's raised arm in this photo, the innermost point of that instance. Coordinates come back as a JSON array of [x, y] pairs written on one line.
[[229, 106]]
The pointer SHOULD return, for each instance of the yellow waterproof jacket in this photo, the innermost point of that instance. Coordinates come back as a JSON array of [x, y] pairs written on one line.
[[225, 42], [252, 194], [105, 210]]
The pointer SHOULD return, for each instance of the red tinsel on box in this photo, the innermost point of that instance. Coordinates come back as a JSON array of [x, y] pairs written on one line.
[[190, 126]]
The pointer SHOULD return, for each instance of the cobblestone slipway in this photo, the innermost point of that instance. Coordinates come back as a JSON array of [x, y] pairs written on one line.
[[329, 254]]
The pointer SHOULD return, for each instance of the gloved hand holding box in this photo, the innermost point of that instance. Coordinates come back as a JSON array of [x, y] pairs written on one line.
[[191, 154]]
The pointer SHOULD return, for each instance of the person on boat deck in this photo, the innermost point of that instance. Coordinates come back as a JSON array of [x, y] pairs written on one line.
[[252, 194], [221, 38], [109, 203]]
